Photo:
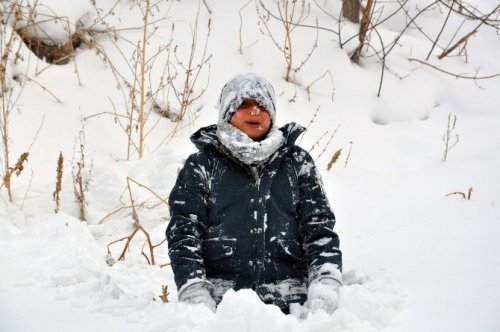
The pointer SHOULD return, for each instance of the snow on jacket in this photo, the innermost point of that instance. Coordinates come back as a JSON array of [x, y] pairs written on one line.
[[266, 227]]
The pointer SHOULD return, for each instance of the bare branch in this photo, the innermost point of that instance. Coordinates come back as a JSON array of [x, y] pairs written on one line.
[[475, 77]]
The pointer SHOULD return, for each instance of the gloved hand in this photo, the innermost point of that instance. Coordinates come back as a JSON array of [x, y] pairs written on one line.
[[322, 295], [200, 292]]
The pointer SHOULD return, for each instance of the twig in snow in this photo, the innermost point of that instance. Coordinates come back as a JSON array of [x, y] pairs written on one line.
[[441, 31], [464, 196], [308, 88], [43, 87]]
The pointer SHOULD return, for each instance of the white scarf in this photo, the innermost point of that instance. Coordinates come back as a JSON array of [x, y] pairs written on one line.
[[245, 149]]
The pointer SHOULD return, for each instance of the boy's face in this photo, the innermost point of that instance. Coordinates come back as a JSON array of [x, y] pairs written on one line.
[[252, 119]]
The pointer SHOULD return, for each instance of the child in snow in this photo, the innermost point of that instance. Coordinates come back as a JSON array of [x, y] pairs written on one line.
[[248, 210]]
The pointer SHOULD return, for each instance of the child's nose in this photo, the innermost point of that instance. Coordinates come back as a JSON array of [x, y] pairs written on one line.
[[255, 110]]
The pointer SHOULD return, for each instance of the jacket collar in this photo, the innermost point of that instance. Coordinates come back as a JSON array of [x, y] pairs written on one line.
[[207, 136]]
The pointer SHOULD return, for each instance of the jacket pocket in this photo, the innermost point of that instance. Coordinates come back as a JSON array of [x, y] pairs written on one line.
[[217, 248], [290, 250]]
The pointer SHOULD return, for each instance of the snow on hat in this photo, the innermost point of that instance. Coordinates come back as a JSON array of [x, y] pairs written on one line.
[[243, 86]]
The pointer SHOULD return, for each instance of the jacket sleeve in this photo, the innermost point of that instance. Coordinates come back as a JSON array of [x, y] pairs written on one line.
[[188, 212], [321, 243]]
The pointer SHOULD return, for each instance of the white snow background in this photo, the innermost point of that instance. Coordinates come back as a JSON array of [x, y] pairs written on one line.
[[414, 258]]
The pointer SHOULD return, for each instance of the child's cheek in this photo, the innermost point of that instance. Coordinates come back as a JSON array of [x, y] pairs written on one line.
[[266, 121]]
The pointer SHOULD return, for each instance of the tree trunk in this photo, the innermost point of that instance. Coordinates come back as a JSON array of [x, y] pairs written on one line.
[[350, 10]]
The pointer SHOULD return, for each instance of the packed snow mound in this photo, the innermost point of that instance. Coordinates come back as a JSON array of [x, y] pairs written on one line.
[[366, 304]]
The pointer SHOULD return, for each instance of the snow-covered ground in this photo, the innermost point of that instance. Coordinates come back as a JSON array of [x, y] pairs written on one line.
[[414, 258]]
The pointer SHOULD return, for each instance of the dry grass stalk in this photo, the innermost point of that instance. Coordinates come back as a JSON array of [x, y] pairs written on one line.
[[334, 159], [318, 141], [57, 192], [329, 141], [464, 196], [450, 139], [81, 175], [164, 294], [310, 122], [79, 191], [27, 190], [348, 154], [16, 169], [143, 72]]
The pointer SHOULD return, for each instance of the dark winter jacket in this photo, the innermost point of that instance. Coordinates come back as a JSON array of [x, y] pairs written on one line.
[[268, 227]]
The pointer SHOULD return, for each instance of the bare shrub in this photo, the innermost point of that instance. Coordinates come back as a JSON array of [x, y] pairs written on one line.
[[138, 88], [291, 13], [185, 74], [371, 44], [10, 91], [153, 78], [137, 227]]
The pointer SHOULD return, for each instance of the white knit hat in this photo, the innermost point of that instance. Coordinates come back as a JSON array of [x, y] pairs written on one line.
[[246, 86]]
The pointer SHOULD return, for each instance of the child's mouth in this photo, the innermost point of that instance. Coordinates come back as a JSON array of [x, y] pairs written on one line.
[[253, 123]]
